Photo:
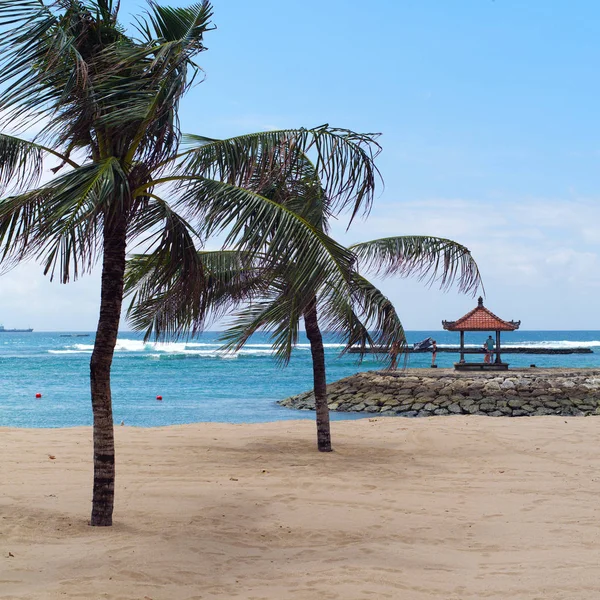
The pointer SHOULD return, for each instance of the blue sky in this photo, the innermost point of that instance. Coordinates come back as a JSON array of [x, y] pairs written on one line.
[[489, 118]]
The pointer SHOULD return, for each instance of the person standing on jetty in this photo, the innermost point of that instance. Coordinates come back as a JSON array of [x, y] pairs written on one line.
[[488, 346], [433, 354]]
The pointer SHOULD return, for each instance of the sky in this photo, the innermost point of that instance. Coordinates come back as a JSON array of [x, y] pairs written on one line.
[[488, 114]]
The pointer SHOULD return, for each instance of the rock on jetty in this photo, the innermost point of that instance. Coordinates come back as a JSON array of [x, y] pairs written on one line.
[[426, 393]]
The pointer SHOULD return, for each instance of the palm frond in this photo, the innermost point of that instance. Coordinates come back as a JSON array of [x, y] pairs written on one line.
[[21, 163], [179, 24], [99, 89], [344, 161], [172, 36], [168, 284], [362, 320], [278, 313], [254, 223], [299, 190], [59, 223], [39, 56], [434, 260], [171, 300]]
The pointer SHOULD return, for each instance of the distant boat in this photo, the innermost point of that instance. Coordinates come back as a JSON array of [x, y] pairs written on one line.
[[3, 330]]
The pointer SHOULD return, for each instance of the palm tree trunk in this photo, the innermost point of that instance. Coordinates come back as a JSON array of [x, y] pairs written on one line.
[[111, 299], [320, 383]]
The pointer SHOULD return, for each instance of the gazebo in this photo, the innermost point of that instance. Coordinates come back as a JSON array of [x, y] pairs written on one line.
[[480, 319]]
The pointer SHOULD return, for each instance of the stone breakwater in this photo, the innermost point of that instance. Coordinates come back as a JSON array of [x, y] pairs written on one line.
[[429, 392]]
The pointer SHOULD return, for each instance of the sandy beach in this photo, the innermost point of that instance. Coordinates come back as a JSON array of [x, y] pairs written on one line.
[[444, 508]]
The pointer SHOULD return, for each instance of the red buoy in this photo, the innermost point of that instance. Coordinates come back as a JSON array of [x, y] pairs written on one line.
[[159, 397], [38, 395]]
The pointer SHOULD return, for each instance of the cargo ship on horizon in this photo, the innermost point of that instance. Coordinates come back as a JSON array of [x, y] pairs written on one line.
[[4, 330]]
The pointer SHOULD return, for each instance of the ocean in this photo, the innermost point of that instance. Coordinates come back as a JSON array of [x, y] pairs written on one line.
[[198, 382]]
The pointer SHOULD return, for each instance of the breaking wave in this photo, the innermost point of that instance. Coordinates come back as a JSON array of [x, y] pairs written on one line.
[[157, 350]]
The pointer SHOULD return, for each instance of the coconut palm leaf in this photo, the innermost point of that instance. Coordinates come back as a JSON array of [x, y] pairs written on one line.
[[181, 25], [39, 56], [172, 271], [279, 314], [343, 161], [364, 319], [435, 260], [172, 36], [22, 162], [257, 224], [170, 299], [58, 223], [71, 63], [299, 189]]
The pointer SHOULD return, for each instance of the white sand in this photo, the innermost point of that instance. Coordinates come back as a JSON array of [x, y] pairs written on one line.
[[441, 508]]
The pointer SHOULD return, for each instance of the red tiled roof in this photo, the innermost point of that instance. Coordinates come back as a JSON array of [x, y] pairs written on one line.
[[480, 319]]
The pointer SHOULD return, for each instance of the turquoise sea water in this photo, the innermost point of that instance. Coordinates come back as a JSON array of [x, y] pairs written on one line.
[[198, 382]]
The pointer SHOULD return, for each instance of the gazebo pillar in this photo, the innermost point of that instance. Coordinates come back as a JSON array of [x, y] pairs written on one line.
[[498, 360], [462, 346]]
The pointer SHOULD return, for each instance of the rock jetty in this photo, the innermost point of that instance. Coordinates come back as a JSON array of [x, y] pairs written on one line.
[[430, 392], [456, 350]]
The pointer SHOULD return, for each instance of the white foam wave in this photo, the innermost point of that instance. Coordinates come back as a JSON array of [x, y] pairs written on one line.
[[155, 350], [307, 346], [212, 353], [269, 346], [199, 348], [555, 344], [127, 345], [184, 351]]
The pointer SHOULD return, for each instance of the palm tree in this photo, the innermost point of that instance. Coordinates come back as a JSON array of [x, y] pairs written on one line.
[[107, 103], [349, 306], [354, 310]]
